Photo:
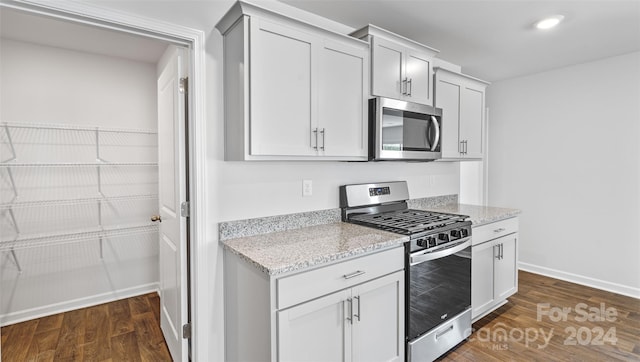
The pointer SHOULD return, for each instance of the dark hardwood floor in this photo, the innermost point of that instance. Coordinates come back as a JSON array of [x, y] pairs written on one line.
[[124, 330], [537, 325]]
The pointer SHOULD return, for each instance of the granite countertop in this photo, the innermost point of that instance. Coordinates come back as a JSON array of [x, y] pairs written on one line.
[[297, 249], [479, 215]]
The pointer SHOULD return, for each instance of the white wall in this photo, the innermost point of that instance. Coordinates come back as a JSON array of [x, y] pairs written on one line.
[[564, 149], [239, 190], [48, 85]]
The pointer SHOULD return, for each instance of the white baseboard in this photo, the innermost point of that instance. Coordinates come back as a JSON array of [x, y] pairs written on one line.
[[579, 279], [51, 309]]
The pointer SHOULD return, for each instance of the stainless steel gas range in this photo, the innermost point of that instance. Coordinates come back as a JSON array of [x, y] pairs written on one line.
[[437, 264]]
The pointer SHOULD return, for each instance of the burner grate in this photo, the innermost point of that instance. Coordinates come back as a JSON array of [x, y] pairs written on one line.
[[406, 221]]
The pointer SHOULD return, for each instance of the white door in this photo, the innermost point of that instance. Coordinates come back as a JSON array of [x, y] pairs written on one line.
[[172, 192], [315, 330], [281, 83], [378, 327], [418, 71], [448, 96], [342, 98], [506, 278], [387, 69], [471, 114], [482, 271]]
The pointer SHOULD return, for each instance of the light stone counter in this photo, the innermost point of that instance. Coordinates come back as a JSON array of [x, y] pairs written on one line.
[[479, 215], [297, 249]]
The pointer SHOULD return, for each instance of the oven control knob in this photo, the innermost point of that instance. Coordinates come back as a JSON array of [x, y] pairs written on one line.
[[464, 233], [432, 241], [455, 233], [443, 237], [422, 242]]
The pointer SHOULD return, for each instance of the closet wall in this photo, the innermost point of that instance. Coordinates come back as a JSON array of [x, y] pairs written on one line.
[[78, 179]]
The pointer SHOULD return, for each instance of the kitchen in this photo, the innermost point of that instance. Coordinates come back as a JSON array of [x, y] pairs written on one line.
[[558, 187]]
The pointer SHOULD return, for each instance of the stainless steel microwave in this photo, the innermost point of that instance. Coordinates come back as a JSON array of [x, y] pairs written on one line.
[[403, 131]]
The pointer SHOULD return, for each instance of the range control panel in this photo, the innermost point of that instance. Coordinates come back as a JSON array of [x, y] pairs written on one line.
[[379, 191]]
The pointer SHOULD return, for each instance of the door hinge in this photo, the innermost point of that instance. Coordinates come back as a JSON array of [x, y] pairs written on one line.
[[184, 85], [186, 331], [185, 209]]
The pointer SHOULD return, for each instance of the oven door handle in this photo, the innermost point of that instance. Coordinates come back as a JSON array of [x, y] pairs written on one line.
[[420, 257]]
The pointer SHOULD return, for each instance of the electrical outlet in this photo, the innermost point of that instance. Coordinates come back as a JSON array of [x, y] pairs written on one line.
[[431, 181], [307, 187]]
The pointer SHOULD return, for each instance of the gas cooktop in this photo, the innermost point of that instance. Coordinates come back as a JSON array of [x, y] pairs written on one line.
[[408, 221]]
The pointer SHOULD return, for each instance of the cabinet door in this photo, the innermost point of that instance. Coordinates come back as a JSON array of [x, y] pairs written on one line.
[[482, 281], [378, 326], [386, 69], [418, 70], [448, 96], [472, 120], [506, 270], [281, 73], [342, 100], [315, 330]]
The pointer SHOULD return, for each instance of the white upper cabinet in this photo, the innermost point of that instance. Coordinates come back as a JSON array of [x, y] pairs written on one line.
[[400, 68], [462, 99], [292, 91]]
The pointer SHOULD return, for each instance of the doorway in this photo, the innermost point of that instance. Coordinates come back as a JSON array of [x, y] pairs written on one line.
[[80, 169]]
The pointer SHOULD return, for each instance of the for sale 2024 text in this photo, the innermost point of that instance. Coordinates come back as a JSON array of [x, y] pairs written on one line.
[[582, 313]]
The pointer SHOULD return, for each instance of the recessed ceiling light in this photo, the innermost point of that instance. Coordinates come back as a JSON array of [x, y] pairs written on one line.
[[549, 22]]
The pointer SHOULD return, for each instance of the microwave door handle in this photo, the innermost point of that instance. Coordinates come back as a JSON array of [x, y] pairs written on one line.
[[434, 145]]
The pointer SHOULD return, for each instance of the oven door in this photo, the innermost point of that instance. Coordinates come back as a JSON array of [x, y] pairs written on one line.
[[438, 287]]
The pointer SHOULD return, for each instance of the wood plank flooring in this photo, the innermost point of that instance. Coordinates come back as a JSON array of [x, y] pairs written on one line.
[[124, 330], [537, 325], [530, 327]]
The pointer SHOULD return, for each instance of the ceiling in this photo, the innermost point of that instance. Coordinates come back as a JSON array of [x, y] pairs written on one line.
[[495, 40], [20, 26], [490, 39]]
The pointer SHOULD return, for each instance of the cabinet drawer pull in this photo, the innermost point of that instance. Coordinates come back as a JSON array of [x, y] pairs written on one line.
[[350, 315], [354, 274], [357, 315], [315, 131], [409, 87], [324, 135], [499, 230]]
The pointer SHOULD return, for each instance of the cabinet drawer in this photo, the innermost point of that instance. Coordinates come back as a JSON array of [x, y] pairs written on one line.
[[315, 283], [494, 230]]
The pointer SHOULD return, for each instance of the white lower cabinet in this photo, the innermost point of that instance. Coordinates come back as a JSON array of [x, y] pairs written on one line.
[[494, 270], [346, 311], [315, 330], [363, 323]]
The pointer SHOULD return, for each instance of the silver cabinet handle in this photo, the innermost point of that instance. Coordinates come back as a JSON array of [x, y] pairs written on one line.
[[350, 315], [501, 251], [357, 315], [434, 145], [354, 274], [324, 135], [315, 131], [460, 148], [496, 251], [403, 87], [410, 86], [499, 230]]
